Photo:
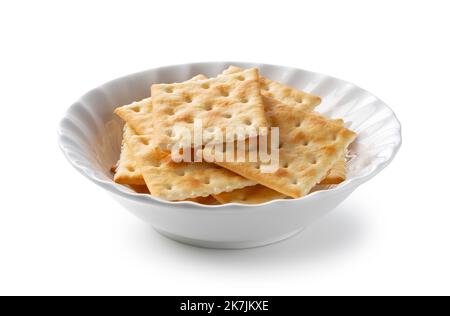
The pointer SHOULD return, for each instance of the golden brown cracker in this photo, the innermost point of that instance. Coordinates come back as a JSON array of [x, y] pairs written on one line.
[[287, 95], [256, 194], [225, 102], [138, 115], [179, 181], [310, 145], [126, 170]]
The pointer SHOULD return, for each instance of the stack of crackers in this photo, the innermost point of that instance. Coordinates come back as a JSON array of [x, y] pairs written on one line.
[[312, 148]]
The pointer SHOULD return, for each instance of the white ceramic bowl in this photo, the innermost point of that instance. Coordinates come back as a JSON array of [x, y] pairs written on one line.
[[90, 137]]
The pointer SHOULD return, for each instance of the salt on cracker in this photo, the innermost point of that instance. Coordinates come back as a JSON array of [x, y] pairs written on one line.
[[310, 145], [180, 181], [126, 170], [287, 95], [229, 101], [256, 194], [138, 115]]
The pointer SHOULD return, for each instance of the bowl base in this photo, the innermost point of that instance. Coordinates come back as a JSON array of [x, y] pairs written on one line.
[[226, 244]]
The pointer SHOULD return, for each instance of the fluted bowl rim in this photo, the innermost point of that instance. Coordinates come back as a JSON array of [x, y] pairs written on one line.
[[67, 136]]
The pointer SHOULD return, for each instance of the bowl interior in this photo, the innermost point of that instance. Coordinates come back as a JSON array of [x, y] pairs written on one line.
[[90, 133]]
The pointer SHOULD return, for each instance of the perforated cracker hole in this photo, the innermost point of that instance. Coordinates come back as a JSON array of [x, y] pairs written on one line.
[[244, 100], [298, 99], [131, 169], [287, 92], [206, 85], [285, 165], [169, 111], [240, 78], [208, 106], [188, 99], [181, 173], [136, 109], [298, 123], [224, 91], [144, 141], [227, 115], [248, 121], [169, 90]]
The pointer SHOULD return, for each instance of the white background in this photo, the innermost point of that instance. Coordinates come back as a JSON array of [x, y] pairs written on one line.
[[60, 234]]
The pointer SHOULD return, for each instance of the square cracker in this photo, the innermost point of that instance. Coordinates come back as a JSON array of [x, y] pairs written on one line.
[[310, 145], [229, 101], [138, 115], [258, 194], [278, 91], [304, 101], [180, 181], [126, 171]]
